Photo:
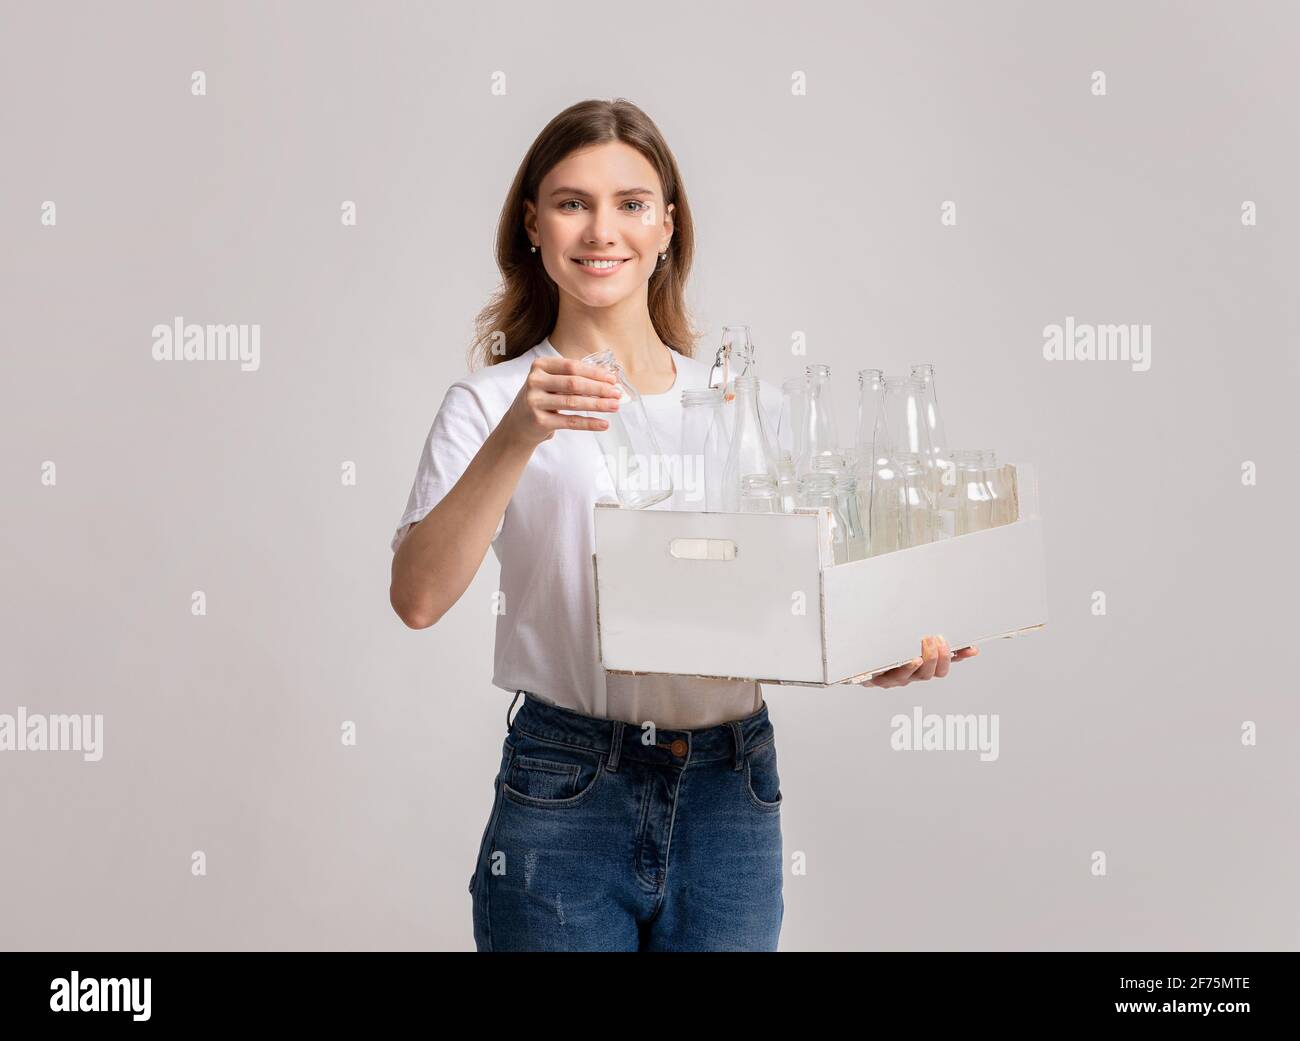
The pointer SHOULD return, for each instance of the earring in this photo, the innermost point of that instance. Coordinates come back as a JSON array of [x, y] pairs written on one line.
[[663, 255], [533, 248]]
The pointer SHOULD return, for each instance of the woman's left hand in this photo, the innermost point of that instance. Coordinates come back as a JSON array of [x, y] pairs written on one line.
[[934, 662]]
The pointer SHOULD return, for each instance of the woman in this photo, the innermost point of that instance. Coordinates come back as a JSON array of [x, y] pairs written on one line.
[[631, 812]]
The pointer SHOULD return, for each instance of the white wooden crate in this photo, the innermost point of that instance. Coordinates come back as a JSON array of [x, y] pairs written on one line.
[[753, 596]]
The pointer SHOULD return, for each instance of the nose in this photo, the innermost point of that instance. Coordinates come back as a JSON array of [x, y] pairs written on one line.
[[598, 228]]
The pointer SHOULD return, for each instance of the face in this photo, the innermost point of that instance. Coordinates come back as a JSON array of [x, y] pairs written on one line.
[[602, 202]]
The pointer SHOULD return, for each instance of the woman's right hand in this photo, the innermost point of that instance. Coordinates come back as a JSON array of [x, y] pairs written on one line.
[[561, 383]]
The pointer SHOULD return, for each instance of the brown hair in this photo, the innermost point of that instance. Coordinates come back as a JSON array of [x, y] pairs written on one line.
[[524, 309]]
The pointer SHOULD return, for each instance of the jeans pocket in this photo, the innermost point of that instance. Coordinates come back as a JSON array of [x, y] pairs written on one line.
[[762, 780], [548, 774]]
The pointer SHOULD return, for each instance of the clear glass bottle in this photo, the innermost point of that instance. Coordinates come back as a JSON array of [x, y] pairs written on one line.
[[855, 536], [886, 527], [628, 445], [818, 435], [758, 494], [904, 431], [974, 500], [902, 507], [999, 485], [735, 357], [818, 489], [919, 511], [699, 487], [789, 426], [940, 451], [751, 452], [871, 393]]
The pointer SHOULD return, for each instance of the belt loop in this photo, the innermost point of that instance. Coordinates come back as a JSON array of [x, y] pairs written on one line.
[[615, 747], [739, 736], [510, 726]]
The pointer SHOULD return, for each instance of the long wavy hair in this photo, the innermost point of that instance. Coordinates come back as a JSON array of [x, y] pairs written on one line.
[[523, 311]]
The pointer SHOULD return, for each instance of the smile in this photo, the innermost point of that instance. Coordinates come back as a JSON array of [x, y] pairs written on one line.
[[600, 267]]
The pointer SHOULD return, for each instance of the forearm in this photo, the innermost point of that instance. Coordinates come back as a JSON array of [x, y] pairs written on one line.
[[440, 555]]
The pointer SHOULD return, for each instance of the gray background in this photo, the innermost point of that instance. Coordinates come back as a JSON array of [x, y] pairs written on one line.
[[820, 214]]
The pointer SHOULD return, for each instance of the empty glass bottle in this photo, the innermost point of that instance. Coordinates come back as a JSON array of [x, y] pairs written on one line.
[[871, 392], [818, 435], [735, 357], [855, 536], [818, 489], [758, 494], [789, 426], [699, 486], [998, 481], [751, 452], [886, 528], [902, 504], [974, 510], [904, 430], [940, 451], [629, 446]]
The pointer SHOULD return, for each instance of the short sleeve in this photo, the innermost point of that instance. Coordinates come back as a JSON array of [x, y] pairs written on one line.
[[458, 431]]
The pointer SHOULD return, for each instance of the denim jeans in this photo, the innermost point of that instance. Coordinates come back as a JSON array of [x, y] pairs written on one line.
[[599, 840]]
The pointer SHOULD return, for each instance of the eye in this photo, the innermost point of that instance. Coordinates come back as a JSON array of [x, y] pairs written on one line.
[[635, 202], [567, 201]]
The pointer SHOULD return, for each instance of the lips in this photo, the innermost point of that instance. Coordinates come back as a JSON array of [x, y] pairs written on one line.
[[601, 266]]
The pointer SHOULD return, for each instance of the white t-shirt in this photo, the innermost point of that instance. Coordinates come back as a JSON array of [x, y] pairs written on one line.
[[546, 634]]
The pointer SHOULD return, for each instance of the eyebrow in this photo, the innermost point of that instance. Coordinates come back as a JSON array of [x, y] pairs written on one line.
[[622, 191]]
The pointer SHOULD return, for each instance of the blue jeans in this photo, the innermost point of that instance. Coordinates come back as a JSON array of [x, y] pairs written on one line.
[[598, 841]]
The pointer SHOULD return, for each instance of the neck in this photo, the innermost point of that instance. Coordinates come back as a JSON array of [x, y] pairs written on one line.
[[625, 330]]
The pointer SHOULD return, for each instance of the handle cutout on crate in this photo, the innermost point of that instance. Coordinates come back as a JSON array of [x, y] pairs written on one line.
[[703, 549]]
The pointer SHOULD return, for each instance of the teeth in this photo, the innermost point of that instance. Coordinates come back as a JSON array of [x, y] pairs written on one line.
[[600, 263]]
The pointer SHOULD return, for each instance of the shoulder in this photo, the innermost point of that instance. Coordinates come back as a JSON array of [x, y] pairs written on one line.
[[493, 387]]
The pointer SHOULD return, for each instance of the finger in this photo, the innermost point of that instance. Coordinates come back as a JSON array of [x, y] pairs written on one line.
[[569, 383], [930, 654], [563, 421], [572, 366], [898, 676], [964, 653], [572, 403], [943, 660]]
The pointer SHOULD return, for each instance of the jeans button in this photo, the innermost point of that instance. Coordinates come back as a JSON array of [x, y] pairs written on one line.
[[678, 747]]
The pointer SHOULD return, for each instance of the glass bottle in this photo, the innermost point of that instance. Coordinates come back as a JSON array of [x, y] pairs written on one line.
[[855, 536], [758, 494], [818, 436], [818, 489], [999, 485], [974, 500], [940, 450], [918, 514], [871, 392], [735, 357], [629, 446], [751, 452], [703, 452], [903, 429], [886, 528], [902, 510], [789, 425]]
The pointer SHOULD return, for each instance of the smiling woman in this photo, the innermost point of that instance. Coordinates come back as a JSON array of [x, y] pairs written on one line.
[[631, 812], [594, 244]]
